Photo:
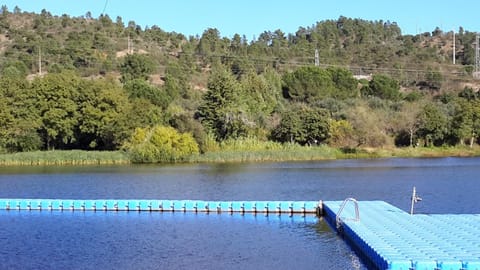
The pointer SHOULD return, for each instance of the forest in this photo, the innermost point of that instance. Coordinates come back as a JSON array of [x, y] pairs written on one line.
[[100, 84]]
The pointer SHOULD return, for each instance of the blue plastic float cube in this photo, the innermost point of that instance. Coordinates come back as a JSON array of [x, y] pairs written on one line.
[[449, 265], [226, 207], [249, 206], [298, 207], [286, 207], [122, 205], [238, 207], [56, 205], [400, 264], [202, 206], [89, 205], [274, 207], [100, 205], [213, 206], [190, 206], [178, 206], [167, 205], [78, 205], [133, 205], [111, 205], [471, 264], [262, 207], [45, 204]]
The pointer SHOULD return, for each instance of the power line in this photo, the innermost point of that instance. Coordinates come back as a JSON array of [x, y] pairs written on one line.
[[284, 62], [105, 7]]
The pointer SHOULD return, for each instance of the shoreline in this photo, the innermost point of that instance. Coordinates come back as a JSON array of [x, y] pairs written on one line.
[[89, 158]]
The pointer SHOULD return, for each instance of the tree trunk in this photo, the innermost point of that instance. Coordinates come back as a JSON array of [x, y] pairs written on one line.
[[411, 137]]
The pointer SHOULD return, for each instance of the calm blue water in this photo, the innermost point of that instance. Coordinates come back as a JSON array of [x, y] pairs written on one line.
[[76, 240]]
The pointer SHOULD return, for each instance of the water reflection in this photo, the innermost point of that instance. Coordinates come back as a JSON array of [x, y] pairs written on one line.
[[126, 240]]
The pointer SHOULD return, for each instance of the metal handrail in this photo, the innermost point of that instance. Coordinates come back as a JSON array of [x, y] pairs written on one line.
[[338, 219]]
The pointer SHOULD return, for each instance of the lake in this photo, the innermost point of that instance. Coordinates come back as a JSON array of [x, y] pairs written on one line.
[[98, 240]]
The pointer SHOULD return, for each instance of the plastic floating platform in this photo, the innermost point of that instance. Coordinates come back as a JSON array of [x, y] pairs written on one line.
[[392, 239], [266, 207]]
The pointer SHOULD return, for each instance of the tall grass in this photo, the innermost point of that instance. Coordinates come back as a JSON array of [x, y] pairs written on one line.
[[71, 157], [254, 150], [246, 150]]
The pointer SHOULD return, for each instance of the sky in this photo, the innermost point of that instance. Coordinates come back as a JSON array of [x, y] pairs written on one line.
[[253, 17]]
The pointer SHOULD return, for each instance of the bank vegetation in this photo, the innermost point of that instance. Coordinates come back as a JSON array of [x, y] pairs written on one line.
[[73, 92]]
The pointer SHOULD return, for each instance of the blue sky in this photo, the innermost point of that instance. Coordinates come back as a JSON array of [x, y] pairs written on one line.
[[252, 17]]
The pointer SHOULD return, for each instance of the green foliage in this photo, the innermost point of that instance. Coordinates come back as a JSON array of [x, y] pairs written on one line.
[[308, 84], [103, 106], [136, 66], [223, 89], [433, 125], [341, 134], [382, 86], [434, 79], [466, 121], [138, 88], [345, 83], [56, 95], [303, 125], [221, 111], [71, 157], [160, 144]]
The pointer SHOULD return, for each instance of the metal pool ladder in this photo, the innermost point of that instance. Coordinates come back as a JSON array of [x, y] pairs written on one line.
[[338, 220]]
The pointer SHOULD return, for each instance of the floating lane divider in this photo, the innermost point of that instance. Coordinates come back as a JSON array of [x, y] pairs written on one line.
[[197, 206], [390, 238]]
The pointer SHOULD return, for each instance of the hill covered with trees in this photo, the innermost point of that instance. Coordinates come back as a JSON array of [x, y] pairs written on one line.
[[102, 84]]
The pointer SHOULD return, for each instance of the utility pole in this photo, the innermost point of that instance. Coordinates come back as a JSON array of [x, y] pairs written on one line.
[[477, 55], [129, 45], [453, 47], [317, 58]]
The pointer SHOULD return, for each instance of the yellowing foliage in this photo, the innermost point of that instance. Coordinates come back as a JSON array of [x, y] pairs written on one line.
[[160, 144]]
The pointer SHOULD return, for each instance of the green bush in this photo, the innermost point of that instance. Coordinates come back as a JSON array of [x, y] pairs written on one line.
[[160, 144]]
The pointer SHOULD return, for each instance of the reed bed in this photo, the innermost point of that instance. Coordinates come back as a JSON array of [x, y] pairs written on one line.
[[70, 157], [247, 150], [250, 150]]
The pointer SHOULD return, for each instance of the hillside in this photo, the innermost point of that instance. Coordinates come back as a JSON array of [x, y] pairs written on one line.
[[88, 83], [93, 47]]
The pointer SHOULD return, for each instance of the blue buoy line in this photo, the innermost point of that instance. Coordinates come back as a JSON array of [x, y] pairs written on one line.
[[196, 206]]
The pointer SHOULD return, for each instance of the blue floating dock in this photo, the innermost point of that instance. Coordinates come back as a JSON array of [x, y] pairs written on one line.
[[392, 239], [386, 236]]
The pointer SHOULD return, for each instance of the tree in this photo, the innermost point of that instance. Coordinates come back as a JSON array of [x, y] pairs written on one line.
[[407, 122], [138, 88], [382, 86], [345, 83], [219, 111], [56, 96], [258, 95], [103, 108], [341, 134], [466, 121], [308, 84], [136, 66], [303, 125], [18, 121], [432, 125]]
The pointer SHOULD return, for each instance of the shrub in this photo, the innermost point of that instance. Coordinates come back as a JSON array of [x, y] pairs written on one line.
[[160, 144]]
